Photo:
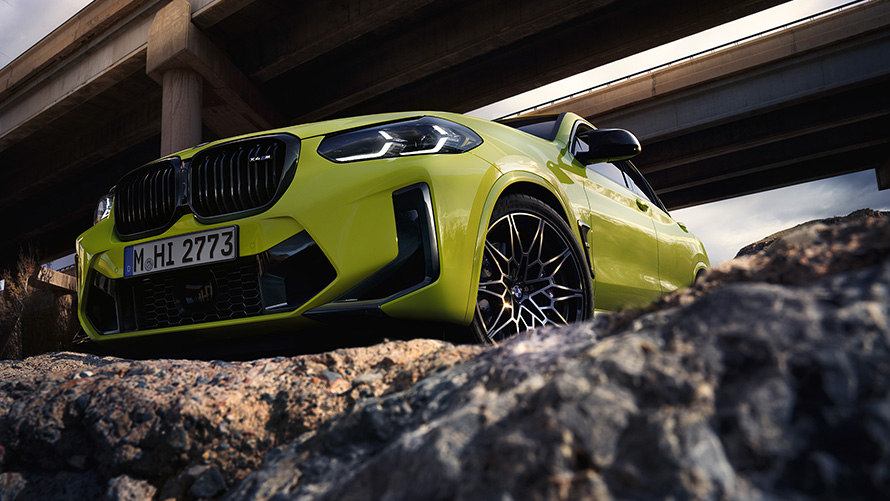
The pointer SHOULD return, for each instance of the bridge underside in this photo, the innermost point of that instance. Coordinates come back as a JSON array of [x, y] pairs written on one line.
[[839, 133], [801, 104]]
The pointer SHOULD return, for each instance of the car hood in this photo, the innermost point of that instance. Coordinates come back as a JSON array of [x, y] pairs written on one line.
[[314, 129]]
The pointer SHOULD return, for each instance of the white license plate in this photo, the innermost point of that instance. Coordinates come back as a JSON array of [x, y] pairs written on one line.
[[191, 249]]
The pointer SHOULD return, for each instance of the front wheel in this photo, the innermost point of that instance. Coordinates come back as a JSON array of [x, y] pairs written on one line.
[[534, 272]]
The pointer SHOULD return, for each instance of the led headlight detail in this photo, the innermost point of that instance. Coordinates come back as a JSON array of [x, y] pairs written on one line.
[[421, 136], [103, 209]]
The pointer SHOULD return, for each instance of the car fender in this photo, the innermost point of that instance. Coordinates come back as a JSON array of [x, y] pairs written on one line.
[[702, 263], [497, 189]]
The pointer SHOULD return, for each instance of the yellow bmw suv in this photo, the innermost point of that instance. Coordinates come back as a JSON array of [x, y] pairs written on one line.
[[496, 226]]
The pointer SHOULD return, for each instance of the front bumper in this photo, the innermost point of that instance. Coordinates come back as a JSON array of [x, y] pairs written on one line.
[[388, 238]]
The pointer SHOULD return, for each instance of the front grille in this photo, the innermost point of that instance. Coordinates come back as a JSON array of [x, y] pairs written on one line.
[[146, 199], [164, 300], [241, 176], [234, 179]]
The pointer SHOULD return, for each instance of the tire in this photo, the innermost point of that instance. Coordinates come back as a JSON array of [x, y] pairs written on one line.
[[534, 272]]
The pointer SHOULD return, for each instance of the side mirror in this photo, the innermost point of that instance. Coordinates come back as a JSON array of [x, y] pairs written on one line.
[[608, 145]]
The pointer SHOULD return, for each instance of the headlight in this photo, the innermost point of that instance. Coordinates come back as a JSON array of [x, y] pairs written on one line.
[[421, 136], [103, 209]]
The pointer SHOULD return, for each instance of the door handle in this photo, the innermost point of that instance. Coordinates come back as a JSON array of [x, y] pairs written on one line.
[[643, 206]]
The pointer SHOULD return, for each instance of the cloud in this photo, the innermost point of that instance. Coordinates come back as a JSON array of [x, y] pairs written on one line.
[[23, 23]]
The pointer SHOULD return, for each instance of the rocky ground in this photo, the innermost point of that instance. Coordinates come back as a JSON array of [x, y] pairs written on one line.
[[770, 379]]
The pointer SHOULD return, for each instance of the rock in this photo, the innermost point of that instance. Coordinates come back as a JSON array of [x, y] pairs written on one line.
[[208, 483], [808, 232], [11, 485], [126, 488], [155, 420], [770, 379]]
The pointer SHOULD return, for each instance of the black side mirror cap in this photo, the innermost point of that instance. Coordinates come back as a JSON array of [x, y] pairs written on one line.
[[608, 145]]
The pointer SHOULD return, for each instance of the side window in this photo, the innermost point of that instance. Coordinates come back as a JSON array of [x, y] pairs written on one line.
[[579, 146], [638, 185], [540, 129], [542, 126], [609, 170], [634, 185]]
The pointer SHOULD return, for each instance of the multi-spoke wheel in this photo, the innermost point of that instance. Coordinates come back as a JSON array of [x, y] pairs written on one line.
[[534, 272]]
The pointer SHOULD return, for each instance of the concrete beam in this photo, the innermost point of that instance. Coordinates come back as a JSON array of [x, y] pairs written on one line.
[[93, 73], [53, 281], [592, 37], [842, 140], [432, 45], [66, 41], [846, 48], [883, 176], [174, 42], [857, 104], [332, 24], [787, 174], [90, 147], [206, 13]]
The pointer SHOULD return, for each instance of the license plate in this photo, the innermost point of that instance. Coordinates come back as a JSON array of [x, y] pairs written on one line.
[[191, 249]]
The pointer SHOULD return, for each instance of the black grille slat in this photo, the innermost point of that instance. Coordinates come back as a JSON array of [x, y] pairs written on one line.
[[243, 176], [253, 153], [134, 200], [146, 199], [236, 177], [154, 209], [141, 197], [269, 168], [221, 191], [169, 194], [253, 184], [215, 194], [205, 175]]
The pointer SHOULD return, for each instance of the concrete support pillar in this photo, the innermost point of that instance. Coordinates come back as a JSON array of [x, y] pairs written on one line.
[[883, 175], [181, 110], [186, 63]]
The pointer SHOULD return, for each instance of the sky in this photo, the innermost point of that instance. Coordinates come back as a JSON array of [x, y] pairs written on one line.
[[724, 227]]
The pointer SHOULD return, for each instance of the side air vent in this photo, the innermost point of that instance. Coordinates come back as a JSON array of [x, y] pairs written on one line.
[[241, 177], [146, 199]]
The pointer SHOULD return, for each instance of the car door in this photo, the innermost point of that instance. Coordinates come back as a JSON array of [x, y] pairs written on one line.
[[678, 249], [623, 239]]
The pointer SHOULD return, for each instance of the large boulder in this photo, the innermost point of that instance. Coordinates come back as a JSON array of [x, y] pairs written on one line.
[[78, 426], [770, 379]]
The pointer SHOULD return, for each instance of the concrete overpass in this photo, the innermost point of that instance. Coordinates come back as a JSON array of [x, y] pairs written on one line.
[[126, 80], [802, 103]]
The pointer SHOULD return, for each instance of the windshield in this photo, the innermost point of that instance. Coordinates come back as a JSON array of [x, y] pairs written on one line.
[[543, 126]]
